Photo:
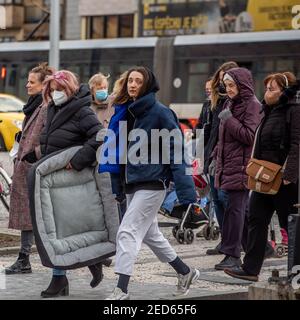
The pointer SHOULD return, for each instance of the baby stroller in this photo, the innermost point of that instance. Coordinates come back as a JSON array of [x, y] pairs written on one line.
[[280, 249], [197, 214]]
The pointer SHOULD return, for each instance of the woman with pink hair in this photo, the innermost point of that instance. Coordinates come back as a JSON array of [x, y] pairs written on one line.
[[70, 122]]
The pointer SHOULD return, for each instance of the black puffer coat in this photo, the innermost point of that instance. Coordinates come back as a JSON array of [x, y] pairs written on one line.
[[279, 134], [72, 124]]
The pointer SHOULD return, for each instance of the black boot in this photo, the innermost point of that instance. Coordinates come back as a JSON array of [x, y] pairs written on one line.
[[97, 273], [22, 265], [59, 286]]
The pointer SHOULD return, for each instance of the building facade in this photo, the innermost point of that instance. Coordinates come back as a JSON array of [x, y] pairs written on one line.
[[28, 20], [102, 19]]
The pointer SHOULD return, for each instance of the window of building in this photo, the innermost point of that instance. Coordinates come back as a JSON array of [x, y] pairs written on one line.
[[198, 75], [126, 26], [100, 27], [111, 27], [11, 2], [33, 14]]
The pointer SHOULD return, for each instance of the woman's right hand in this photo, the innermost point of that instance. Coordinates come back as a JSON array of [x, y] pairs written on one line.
[[69, 166], [212, 168]]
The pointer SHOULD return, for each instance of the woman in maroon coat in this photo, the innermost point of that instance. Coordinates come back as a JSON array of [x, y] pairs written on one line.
[[19, 214], [239, 121]]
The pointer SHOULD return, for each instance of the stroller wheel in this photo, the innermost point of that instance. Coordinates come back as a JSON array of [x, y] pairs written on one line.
[[280, 251], [188, 236], [207, 232], [214, 233], [180, 236], [174, 231]]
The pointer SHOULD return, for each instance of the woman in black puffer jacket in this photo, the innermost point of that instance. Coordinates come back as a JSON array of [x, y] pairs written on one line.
[[70, 122], [278, 142]]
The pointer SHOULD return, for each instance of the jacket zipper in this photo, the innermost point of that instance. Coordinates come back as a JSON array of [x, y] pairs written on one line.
[[126, 173]]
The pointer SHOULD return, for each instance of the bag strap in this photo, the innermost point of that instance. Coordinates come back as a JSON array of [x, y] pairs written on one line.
[[255, 141]]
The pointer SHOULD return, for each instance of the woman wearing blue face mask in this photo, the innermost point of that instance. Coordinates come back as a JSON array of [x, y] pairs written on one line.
[[101, 101]]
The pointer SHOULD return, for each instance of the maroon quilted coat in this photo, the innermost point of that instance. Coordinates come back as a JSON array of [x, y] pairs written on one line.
[[19, 214], [236, 134]]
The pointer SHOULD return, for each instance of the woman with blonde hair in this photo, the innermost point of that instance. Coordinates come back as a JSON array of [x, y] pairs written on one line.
[[102, 104], [218, 98]]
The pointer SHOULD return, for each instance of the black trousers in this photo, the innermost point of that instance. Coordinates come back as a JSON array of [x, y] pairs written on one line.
[[261, 210]]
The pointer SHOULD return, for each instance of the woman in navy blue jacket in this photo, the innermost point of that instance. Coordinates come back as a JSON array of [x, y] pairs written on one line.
[[145, 181]]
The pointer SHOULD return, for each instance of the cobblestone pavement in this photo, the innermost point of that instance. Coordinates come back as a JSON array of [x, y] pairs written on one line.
[[151, 280]]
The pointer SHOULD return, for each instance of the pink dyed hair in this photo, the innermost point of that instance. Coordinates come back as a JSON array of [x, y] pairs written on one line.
[[66, 80]]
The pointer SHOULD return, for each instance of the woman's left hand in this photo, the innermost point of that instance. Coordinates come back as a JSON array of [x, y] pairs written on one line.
[[286, 182], [69, 166]]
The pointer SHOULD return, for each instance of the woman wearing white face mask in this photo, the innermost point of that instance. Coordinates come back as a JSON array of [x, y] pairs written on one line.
[[70, 123], [102, 103]]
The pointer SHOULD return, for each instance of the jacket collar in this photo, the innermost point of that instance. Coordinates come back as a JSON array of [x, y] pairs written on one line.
[[142, 105], [32, 118], [56, 119]]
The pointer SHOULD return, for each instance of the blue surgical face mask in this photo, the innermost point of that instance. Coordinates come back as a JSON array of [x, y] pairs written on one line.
[[101, 95]]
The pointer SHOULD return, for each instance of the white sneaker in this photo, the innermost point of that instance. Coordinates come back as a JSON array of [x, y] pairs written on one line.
[[118, 294], [184, 282]]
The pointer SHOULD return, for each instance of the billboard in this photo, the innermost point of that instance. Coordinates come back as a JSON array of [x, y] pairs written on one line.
[[215, 16]]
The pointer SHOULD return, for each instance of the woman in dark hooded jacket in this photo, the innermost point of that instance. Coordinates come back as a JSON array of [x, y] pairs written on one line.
[[70, 122], [218, 98], [278, 140], [239, 121], [145, 182]]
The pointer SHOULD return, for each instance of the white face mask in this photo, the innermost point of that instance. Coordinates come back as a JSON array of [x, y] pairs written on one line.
[[59, 97]]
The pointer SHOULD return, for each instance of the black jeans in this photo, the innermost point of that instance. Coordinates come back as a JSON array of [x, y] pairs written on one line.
[[261, 210], [27, 239], [220, 200]]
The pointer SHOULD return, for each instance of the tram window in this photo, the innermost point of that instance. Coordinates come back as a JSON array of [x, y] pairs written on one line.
[[125, 67], [266, 65], [105, 69], [196, 88], [245, 64], [297, 67], [259, 85], [12, 78], [285, 65], [200, 67]]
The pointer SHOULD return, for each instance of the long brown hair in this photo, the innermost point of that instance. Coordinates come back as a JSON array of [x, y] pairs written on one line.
[[215, 94], [122, 95]]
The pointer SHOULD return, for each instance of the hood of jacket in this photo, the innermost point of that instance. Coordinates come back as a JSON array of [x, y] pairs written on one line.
[[244, 81], [145, 102]]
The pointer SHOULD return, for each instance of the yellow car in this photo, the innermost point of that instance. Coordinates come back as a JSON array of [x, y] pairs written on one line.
[[11, 119]]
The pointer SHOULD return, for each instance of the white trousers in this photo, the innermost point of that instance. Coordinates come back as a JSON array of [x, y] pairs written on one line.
[[140, 225]]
